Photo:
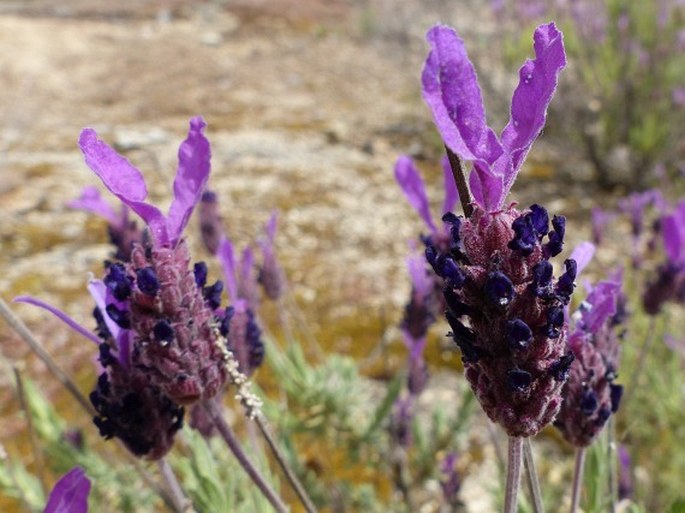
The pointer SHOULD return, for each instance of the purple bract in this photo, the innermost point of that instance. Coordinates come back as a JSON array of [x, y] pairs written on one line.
[[451, 90], [70, 494]]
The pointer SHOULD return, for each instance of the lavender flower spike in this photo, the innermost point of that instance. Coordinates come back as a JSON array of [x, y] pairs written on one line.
[[127, 183], [451, 90], [70, 494]]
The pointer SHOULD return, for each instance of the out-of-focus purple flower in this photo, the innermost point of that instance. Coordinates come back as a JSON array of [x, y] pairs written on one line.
[[451, 90], [600, 219], [239, 324], [411, 183], [590, 18], [70, 494], [590, 395], [625, 473], [678, 95], [504, 306], [634, 206], [169, 310], [422, 309], [211, 226], [669, 283], [450, 481], [271, 275], [675, 344], [401, 421], [123, 232]]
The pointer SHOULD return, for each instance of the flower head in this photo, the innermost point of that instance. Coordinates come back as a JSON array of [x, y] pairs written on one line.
[[170, 315], [590, 395], [669, 283], [271, 275], [504, 306]]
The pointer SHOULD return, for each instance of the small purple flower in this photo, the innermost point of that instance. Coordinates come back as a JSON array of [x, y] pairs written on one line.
[[70, 494], [411, 183], [505, 309], [271, 275], [211, 226], [450, 482], [625, 474], [600, 220], [123, 232], [669, 283], [590, 395], [239, 324]]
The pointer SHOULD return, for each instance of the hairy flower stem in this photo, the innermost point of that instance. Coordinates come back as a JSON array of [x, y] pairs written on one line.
[[532, 474], [611, 464], [577, 479], [280, 458], [181, 502], [460, 181], [252, 405], [18, 325], [233, 444], [513, 474]]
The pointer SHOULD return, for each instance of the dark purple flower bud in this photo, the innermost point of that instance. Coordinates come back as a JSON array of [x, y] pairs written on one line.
[[118, 282], [539, 219], [147, 281], [615, 394], [455, 306], [518, 380], [451, 272], [464, 338], [556, 237], [200, 272], [212, 294], [105, 356], [555, 321], [121, 317], [244, 338], [560, 368], [525, 236], [518, 334], [74, 437], [225, 322], [163, 332], [210, 221], [542, 278], [432, 257], [130, 408], [588, 402], [566, 282], [101, 329], [662, 289], [499, 290]]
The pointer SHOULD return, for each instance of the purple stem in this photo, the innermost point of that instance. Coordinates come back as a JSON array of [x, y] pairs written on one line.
[[513, 474], [460, 180], [577, 479], [233, 444], [280, 458], [532, 474]]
